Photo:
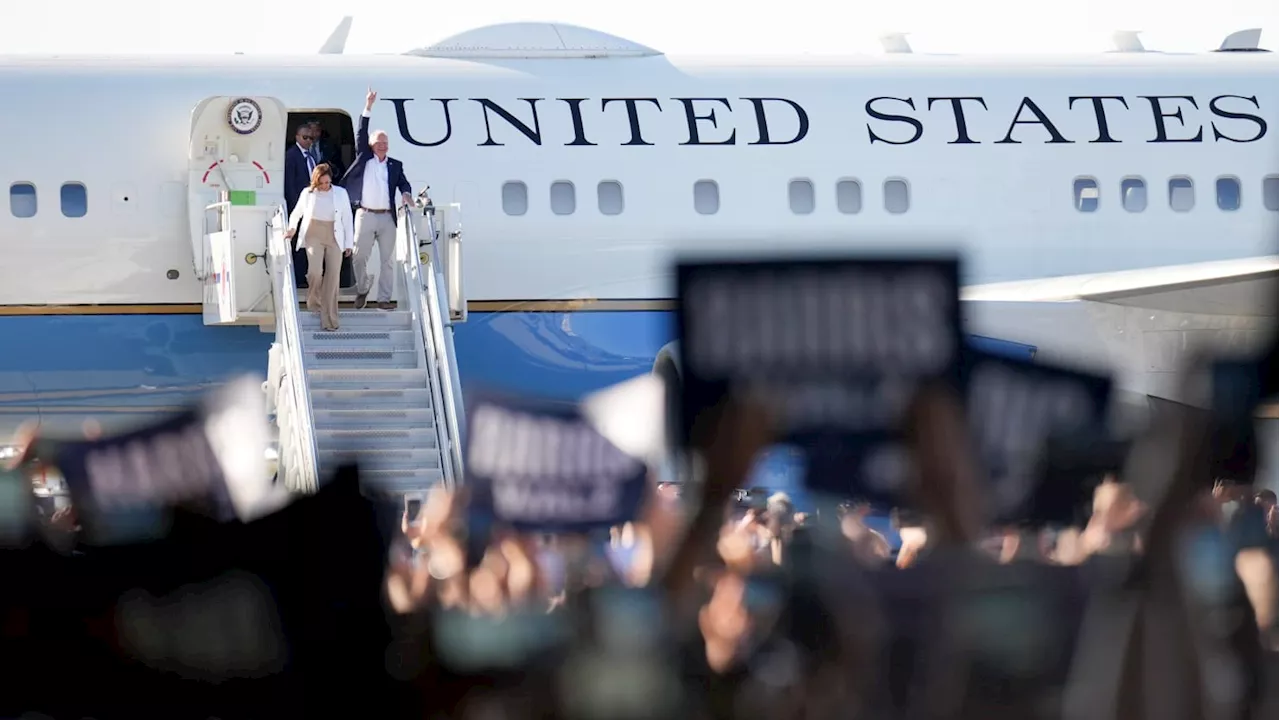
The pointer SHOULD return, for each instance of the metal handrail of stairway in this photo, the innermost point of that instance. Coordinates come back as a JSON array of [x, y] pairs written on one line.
[[422, 291], [302, 441]]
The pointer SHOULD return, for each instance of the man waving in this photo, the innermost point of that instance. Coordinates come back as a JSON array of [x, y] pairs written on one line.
[[372, 182]]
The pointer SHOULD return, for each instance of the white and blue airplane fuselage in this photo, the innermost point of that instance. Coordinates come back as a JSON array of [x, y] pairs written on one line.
[[582, 178]]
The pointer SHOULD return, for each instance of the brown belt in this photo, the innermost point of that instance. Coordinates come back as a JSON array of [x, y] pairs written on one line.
[[379, 212]]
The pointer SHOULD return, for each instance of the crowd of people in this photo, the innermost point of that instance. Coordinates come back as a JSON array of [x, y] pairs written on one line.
[[770, 612], [707, 602]]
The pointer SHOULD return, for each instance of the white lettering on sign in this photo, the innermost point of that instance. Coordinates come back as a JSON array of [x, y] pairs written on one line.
[[544, 468], [836, 405], [853, 319], [533, 502], [161, 468], [1014, 413], [515, 446]]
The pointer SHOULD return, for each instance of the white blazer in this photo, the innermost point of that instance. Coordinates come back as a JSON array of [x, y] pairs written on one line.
[[344, 224]]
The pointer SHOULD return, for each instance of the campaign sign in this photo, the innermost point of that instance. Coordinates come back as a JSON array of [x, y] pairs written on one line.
[[210, 458], [539, 466], [835, 347], [124, 486], [1015, 407], [1238, 387]]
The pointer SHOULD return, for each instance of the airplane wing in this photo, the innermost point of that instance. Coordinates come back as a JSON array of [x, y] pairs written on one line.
[[1245, 287], [338, 38]]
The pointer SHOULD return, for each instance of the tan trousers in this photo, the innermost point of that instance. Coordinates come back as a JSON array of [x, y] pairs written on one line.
[[324, 271], [375, 229]]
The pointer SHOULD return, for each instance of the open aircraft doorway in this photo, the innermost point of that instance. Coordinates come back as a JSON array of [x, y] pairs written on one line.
[[337, 135]]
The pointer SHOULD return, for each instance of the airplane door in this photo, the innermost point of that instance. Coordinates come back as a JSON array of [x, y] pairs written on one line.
[[236, 155]]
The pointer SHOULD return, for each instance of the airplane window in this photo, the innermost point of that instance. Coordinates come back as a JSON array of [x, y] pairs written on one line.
[[609, 197], [1133, 194], [849, 197], [1271, 192], [563, 200], [897, 197], [800, 195], [75, 201], [1228, 193], [1182, 194], [706, 197], [22, 200], [515, 198], [1085, 191]]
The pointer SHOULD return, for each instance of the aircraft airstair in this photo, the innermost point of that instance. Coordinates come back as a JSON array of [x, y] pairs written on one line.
[[383, 389]]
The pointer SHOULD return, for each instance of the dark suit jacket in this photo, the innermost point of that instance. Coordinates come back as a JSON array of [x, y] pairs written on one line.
[[329, 153], [296, 176], [353, 181]]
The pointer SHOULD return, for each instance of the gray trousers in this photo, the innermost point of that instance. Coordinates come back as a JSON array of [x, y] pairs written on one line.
[[380, 229]]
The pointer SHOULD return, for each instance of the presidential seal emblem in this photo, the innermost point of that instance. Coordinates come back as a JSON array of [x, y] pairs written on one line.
[[244, 116]]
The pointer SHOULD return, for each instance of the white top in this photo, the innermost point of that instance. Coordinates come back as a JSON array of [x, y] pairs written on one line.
[[323, 204], [375, 193], [311, 205]]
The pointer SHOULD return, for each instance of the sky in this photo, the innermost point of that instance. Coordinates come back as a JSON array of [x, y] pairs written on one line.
[[677, 27]]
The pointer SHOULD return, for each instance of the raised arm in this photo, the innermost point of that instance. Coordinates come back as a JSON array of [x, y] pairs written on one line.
[[362, 134]]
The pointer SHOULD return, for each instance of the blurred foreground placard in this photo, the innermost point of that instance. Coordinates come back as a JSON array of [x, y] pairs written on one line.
[[210, 458], [1015, 407], [836, 348], [540, 466]]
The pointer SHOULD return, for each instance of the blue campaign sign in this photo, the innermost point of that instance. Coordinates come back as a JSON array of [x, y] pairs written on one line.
[[124, 486], [835, 347], [539, 466], [1015, 408]]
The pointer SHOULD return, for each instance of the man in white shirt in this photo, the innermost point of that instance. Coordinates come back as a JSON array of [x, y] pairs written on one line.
[[372, 182]]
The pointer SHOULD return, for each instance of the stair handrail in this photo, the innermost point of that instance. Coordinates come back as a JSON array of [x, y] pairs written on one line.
[[422, 291], [289, 333]]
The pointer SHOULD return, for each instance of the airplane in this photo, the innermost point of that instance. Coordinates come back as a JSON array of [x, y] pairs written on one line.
[[1112, 210]]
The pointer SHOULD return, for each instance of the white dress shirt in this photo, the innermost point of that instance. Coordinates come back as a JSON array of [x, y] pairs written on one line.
[[311, 161], [374, 196]]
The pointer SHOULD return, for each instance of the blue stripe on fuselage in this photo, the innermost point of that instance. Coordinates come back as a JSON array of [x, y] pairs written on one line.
[[61, 369], [121, 369]]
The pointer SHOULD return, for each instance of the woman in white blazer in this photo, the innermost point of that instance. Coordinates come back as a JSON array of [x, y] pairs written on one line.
[[328, 232]]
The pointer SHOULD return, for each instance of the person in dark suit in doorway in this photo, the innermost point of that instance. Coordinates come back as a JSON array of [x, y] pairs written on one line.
[[298, 165], [323, 149], [372, 182]]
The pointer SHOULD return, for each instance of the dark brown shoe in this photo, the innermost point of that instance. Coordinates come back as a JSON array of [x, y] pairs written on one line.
[[361, 300], [386, 306]]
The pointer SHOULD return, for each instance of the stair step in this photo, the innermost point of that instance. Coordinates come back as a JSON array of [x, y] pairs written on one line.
[[370, 398], [375, 438], [376, 378], [384, 458], [400, 481], [377, 338], [359, 358], [360, 319], [356, 418]]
